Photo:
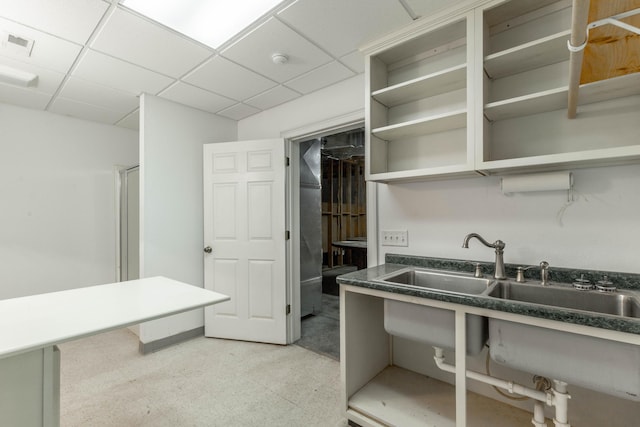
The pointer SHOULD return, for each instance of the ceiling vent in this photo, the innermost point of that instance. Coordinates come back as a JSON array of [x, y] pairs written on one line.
[[16, 44]]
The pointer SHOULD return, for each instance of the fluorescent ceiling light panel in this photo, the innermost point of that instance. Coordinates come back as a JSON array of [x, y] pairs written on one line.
[[211, 22]]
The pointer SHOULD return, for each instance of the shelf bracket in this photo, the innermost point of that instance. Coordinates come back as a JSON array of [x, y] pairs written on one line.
[[612, 20], [615, 20]]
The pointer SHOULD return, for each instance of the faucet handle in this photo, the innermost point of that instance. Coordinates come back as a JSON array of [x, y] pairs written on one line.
[[520, 273], [478, 272]]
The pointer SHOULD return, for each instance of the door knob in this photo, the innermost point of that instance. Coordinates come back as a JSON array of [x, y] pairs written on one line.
[[208, 249]]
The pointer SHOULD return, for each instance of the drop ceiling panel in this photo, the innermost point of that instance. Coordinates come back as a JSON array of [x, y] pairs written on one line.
[[131, 121], [48, 51], [69, 107], [255, 49], [137, 40], [340, 26], [73, 20], [87, 92], [196, 97], [321, 77], [276, 96], [239, 112], [117, 74], [228, 79], [354, 60], [423, 8], [48, 80], [23, 97]]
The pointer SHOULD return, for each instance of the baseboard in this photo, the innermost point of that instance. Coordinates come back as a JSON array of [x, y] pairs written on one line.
[[150, 347]]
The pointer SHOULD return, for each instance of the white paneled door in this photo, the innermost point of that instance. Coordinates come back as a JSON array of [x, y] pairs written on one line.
[[244, 237]]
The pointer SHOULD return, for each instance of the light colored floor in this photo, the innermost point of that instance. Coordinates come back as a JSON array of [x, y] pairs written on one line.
[[202, 382]]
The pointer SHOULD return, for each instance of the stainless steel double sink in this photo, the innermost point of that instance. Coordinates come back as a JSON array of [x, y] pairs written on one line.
[[574, 358], [556, 295]]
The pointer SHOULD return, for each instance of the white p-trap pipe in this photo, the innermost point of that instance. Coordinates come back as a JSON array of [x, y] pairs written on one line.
[[510, 386], [558, 398]]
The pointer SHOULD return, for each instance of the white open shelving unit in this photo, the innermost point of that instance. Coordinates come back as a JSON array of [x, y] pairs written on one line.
[[525, 91], [418, 119], [484, 90]]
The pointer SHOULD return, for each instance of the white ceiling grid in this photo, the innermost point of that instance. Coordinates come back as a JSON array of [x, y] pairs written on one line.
[[94, 58]]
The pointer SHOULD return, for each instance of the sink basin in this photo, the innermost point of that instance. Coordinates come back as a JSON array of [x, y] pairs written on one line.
[[431, 325], [614, 303], [440, 281], [607, 366]]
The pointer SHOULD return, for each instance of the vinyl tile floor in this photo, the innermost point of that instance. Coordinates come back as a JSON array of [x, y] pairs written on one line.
[[320, 332], [201, 382]]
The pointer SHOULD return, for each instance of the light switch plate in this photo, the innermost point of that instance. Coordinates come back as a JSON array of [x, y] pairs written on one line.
[[395, 238]]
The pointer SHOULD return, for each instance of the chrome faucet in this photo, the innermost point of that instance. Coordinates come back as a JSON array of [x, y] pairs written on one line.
[[498, 245]]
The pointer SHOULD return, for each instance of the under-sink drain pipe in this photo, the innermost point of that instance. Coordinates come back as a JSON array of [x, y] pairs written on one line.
[[558, 397]]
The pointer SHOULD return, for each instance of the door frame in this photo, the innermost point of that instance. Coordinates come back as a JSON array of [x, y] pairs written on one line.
[[120, 192], [293, 138]]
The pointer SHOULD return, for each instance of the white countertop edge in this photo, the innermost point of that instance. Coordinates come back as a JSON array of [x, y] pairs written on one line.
[[33, 322]]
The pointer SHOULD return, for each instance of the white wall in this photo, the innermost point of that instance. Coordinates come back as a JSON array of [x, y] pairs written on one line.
[[600, 230], [332, 102], [57, 189], [171, 218]]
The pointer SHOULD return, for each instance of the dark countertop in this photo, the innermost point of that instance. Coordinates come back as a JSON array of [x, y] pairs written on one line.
[[353, 244], [629, 282]]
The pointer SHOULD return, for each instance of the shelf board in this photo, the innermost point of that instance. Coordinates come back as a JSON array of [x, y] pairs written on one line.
[[559, 161], [539, 102], [425, 174], [556, 99], [603, 90], [448, 80], [400, 397], [433, 124], [512, 9], [537, 53]]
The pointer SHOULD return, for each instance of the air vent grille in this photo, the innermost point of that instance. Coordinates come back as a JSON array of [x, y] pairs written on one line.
[[17, 45]]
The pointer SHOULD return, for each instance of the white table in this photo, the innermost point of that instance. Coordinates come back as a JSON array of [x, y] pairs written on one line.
[[30, 328]]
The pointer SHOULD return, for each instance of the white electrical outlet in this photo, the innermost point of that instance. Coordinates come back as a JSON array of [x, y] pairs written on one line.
[[395, 238]]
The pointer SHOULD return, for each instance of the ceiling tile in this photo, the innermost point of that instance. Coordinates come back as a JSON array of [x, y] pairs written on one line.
[[196, 97], [223, 77], [238, 112], [48, 51], [320, 77], [70, 19], [81, 110], [48, 81], [354, 60], [423, 8], [131, 121], [341, 26], [256, 48], [117, 74], [23, 97], [139, 41], [276, 96], [92, 93]]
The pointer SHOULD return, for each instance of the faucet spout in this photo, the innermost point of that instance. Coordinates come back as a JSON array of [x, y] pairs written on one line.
[[498, 245]]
